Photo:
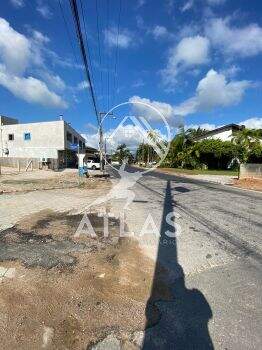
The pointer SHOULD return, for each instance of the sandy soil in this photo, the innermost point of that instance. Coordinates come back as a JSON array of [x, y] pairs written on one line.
[[251, 184], [44, 180], [66, 292]]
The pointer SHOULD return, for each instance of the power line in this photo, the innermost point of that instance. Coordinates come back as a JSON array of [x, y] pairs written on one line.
[[117, 47], [99, 50], [75, 13], [86, 40], [108, 73], [67, 30]]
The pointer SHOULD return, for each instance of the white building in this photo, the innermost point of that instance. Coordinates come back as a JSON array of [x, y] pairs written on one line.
[[54, 140], [224, 133]]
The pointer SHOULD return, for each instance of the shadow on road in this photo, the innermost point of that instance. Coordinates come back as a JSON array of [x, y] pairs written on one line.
[[177, 317]]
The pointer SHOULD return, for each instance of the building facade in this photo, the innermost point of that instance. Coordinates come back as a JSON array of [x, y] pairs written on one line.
[[224, 133], [44, 141]]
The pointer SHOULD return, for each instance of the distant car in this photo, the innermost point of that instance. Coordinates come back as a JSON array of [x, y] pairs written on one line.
[[93, 164], [115, 162]]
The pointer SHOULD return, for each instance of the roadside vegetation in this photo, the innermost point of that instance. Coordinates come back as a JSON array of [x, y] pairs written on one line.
[[206, 156]]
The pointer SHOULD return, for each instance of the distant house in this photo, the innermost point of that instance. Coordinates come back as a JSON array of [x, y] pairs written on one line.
[[53, 142], [224, 133]]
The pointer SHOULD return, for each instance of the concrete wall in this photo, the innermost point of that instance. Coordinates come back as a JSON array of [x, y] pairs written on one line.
[[23, 162], [225, 135], [46, 139], [251, 170]]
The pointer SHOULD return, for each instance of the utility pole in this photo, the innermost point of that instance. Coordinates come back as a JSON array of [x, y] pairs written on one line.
[[101, 143]]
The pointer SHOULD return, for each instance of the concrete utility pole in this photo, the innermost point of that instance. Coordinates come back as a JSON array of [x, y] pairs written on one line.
[[101, 143]]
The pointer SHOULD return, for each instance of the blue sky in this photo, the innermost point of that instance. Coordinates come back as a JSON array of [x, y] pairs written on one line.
[[196, 59]]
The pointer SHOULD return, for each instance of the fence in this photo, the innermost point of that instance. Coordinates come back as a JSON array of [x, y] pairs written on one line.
[[251, 170]]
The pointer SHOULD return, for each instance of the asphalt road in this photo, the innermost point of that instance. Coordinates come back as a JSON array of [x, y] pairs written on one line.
[[214, 265]]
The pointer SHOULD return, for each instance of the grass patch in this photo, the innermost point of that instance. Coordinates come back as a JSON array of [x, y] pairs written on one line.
[[201, 172]]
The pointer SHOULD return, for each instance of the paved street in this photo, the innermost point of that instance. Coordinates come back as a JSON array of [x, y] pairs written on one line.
[[206, 285], [214, 266]]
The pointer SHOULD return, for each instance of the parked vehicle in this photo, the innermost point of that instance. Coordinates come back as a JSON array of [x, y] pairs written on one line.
[[93, 164]]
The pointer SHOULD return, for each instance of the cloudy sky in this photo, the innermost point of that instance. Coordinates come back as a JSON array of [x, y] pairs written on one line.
[[199, 60]]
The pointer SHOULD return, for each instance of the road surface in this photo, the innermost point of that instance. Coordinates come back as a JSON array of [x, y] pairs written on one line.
[[213, 265]]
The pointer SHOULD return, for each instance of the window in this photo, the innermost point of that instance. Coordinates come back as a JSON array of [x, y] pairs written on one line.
[[75, 140], [27, 136], [80, 144], [69, 136], [11, 137]]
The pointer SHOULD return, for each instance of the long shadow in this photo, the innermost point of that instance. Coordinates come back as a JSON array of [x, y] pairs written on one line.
[[177, 317]]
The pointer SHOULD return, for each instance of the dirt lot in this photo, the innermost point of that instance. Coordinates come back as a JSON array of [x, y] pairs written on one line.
[[251, 184], [12, 181], [61, 292]]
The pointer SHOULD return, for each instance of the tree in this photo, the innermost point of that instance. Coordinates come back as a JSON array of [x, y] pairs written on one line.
[[246, 141], [189, 157], [192, 133], [146, 152], [122, 153]]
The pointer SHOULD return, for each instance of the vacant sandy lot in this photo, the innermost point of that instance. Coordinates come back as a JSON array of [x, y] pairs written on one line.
[[61, 292]]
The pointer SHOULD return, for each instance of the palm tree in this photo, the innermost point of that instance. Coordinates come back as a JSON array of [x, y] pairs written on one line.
[[192, 133], [122, 153]]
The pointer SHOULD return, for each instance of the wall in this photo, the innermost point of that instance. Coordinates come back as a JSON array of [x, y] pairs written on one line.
[[72, 131], [251, 170], [23, 162], [225, 135], [46, 139]]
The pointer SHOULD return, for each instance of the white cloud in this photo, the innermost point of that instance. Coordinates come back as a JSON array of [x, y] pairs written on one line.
[[40, 37], [82, 85], [127, 134], [187, 6], [44, 9], [19, 58], [252, 123], [92, 140], [245, 41], [14, 48], [52, 80], [231, 71], [159, 32], [190, 52], [30, 89], [205, 126], [123, 40], [17, 3], [164, 108], [213, 91]]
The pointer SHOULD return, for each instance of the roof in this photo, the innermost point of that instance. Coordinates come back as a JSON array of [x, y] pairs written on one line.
[[233, 127], [91, 149]]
